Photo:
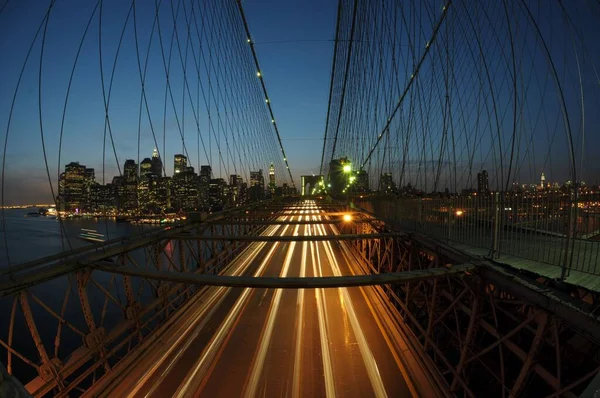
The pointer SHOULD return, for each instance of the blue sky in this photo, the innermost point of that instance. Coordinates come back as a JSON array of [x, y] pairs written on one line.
[[293, 40], [297, 72]]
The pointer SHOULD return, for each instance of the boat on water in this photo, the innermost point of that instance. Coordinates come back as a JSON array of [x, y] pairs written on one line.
[[91, 235]]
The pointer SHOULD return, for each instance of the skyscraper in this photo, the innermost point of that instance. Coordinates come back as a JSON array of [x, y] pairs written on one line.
[[206, 171], [482, 182], [387, 184], [272, 184], [257, 185], [205, 177], [362, 181], [180, 164], [216, 193], [157, 165], [71, 187], [129, 199], [542, 181], [145, 167]]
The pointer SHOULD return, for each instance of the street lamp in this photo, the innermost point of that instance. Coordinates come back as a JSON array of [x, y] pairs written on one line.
[[347, 169]]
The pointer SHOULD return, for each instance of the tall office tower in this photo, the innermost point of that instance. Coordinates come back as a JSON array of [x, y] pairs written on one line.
[[257, 185], [483, 182], [387, 184], [362, 181], [128, 201], [157, 166], [180, 164], [217, 193], [234, 188], [542, 181], [204, 181], [272, 184], [71, 187], [145, 168], [89, 179]]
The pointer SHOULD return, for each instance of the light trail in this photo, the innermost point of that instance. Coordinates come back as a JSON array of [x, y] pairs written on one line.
[[323, 326], [268, 330], [300, 323], [218, 339], [191, 322], [365, 351], [282, 345]]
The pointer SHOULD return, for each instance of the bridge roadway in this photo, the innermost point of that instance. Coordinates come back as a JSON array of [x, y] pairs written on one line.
[[273, 342]]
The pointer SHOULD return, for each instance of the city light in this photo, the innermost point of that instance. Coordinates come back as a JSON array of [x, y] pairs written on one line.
[[347, 217], [347, 168], [459, 213]]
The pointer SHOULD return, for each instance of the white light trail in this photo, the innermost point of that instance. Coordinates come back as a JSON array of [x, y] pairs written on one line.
[[268, 330], [365, 351]]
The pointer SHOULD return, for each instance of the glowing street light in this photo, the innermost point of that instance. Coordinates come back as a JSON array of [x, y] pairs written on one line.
[[459, 213], [347, 217]]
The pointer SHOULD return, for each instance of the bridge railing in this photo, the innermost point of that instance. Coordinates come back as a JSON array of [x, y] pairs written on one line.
[[61, 332], [488, 332], [554, 232]]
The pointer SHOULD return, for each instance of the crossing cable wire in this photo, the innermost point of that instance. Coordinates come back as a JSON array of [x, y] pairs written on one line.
[[258, 92], [256, 110], [410, 82], [262, 82], [43, 23], [331, 81]]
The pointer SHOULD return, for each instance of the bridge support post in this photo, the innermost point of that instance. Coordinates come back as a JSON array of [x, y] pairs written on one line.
[[200, 249], [529, 360], [496, 227], [181, 248], [50, 367], [94, 338], [466, 344], [571, 229]]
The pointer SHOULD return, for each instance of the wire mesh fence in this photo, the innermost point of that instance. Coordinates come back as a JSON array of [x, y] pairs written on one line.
[[560, 229]]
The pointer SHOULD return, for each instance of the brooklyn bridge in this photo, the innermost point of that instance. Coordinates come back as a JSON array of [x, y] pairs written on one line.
[[439, 237]]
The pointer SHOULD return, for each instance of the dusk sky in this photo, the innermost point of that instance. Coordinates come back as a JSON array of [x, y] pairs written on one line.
[[294, 43]]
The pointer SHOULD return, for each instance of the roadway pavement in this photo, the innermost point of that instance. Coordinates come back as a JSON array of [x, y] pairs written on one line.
[[273, 342]]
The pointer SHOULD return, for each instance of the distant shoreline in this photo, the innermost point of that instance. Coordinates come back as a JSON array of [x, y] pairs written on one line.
[[25, 206]]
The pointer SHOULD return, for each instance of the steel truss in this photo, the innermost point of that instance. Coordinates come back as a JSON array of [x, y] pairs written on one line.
[[66, 324], [487, 332], [480, 333]]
